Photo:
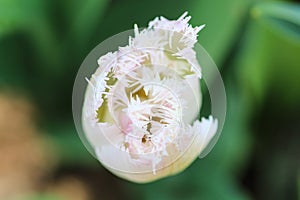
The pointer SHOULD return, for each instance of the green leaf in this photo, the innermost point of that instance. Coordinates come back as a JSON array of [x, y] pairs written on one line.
[[29, 17], [18, 14], [268, 59], [84, 18], [282, 17], [224, 25]]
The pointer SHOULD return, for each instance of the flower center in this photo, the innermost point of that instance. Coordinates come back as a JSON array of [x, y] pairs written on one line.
[[146, 111]]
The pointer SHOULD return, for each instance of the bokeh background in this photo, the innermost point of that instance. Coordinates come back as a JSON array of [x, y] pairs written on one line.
[[256, 45]]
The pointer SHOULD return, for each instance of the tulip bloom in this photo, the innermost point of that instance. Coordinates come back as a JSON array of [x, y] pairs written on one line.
[[141, 106]]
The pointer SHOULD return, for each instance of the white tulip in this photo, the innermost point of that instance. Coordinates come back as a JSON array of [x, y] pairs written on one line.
[[142, 103]]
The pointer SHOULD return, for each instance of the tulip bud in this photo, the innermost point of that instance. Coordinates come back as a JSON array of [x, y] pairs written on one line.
[[141, 106]]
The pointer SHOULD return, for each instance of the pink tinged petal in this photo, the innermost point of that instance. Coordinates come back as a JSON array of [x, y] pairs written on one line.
[[125, 123]]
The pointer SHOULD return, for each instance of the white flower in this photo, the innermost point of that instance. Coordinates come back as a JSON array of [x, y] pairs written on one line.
[[142, 104]]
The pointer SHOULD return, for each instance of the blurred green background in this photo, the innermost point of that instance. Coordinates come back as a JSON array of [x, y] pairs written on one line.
[[256, 45]]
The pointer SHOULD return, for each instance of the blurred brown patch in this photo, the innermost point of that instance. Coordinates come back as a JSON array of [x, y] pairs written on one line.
[[23, 157], [70, 188], [27, 159]]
